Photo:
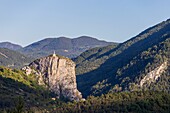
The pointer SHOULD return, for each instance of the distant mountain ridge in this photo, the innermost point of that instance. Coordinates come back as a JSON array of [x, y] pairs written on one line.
[[63, 46], [10, 46]]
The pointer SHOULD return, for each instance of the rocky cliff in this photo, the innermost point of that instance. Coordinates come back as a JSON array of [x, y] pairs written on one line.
[[154, 75], [56, 73]]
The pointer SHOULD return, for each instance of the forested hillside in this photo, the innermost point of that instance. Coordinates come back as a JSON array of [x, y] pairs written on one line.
[[124, 67], [21, 92], [13, 59]]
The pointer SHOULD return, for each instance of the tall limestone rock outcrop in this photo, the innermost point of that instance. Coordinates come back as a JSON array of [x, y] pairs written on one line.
[[58, 74]]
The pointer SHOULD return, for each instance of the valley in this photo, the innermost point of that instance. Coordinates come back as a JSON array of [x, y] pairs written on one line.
[[87, 75]]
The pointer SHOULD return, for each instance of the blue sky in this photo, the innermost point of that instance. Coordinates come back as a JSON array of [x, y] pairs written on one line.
[[27, 21]]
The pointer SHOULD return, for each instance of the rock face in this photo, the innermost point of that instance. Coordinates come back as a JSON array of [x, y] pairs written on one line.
[[154, 75], [58, 74]]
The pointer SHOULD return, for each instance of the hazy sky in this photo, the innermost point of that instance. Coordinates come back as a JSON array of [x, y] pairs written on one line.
[[27, 21]]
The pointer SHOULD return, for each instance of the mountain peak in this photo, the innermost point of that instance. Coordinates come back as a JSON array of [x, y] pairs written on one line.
[[62, 37], [10, 46]]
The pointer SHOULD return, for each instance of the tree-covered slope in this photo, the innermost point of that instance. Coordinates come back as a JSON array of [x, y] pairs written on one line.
[[64, 46], [15, 84], [126, 102], [21, 93], [13, 59], [123, 67]]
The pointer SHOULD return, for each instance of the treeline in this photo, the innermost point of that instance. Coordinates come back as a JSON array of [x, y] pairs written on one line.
[[124, 102]]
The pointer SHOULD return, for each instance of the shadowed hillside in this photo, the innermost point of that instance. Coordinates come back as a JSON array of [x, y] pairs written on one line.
[[123, 67]]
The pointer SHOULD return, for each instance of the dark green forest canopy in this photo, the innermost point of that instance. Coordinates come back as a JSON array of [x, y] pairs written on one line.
[[125, 102]]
